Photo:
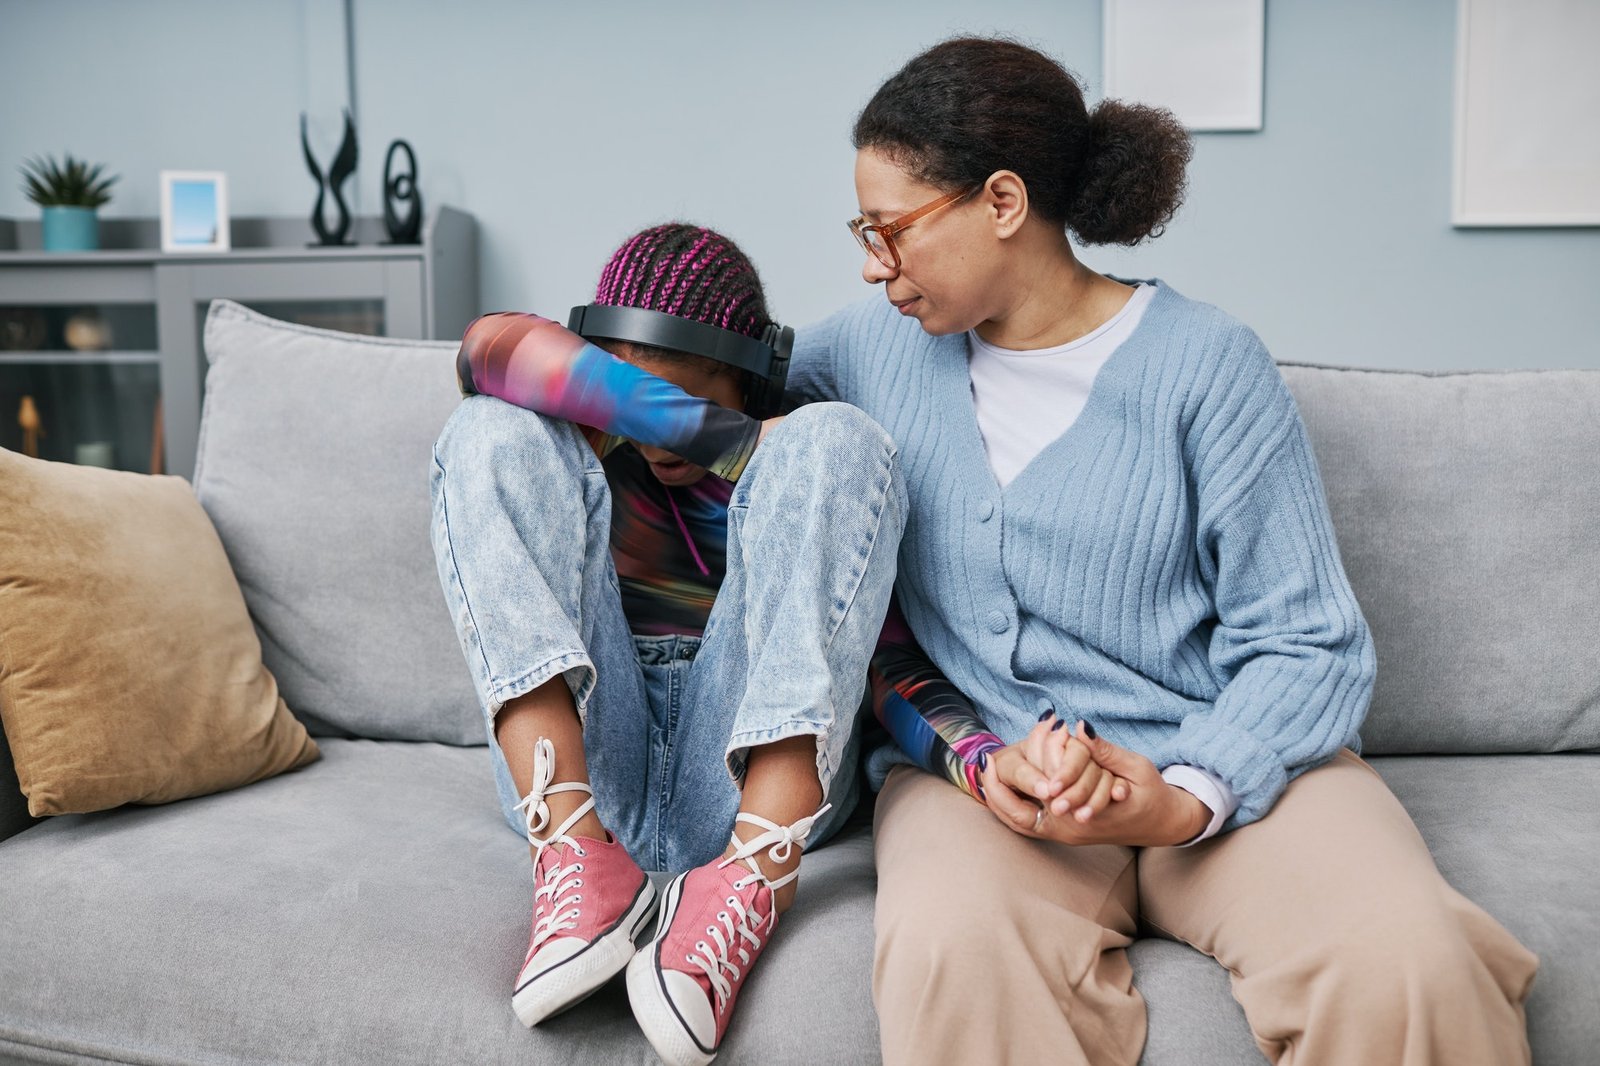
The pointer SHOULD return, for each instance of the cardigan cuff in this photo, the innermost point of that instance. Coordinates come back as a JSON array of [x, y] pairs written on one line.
[[1253, 771], [1209, 789]]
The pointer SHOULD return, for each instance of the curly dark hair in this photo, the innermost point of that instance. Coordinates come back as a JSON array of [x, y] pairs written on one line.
[[970, 106], [692, 272]]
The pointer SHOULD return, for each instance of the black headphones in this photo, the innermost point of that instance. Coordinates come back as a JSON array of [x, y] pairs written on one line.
[[766, 359]]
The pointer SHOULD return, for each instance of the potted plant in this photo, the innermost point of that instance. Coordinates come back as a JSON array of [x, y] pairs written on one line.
[[69, 193]]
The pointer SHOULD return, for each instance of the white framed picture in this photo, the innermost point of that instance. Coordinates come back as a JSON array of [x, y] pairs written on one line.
[[1527, 121], [1203, 60], [194, 211]]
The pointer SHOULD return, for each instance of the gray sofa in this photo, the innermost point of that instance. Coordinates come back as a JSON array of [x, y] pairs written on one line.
[[373, 907]]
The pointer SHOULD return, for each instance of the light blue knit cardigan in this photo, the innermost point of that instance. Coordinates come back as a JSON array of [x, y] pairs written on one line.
[[1165, 569]]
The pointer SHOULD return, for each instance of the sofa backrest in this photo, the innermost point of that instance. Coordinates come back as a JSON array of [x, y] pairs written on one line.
[[315, 448], [1467, 511], [1466, 505]]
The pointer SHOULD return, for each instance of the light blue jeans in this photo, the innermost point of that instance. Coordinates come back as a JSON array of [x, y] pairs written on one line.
[[521, 531]]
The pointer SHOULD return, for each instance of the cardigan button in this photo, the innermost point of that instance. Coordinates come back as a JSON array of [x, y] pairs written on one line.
[[998, 622], [985, 510]]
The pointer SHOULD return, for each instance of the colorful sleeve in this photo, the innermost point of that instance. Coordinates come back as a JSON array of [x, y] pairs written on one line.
[[539, 364], [928, 717]]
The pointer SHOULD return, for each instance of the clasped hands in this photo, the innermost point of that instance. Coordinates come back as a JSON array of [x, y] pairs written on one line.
[[1090, 790]]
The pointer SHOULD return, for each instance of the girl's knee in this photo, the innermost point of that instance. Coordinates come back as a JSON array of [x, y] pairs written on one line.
[[837, 429], [484, 429]]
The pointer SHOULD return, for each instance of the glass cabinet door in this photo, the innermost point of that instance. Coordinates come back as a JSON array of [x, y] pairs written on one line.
[[81, 383]]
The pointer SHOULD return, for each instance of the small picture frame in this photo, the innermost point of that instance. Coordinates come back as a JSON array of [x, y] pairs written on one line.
[[194, 211]]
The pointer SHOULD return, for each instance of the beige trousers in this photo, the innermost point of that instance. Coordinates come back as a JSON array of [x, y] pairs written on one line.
[[1344, 943]]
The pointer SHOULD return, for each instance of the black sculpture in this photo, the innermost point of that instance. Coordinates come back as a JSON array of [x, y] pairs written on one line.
[[400, 189], [344, 164]]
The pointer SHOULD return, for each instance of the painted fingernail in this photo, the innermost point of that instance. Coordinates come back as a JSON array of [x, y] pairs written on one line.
[[983, 761], [981, 795], [1088, 730], [1048, 711], [1059, 723]]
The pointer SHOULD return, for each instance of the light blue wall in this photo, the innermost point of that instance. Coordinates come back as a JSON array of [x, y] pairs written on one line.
[[563, 127]]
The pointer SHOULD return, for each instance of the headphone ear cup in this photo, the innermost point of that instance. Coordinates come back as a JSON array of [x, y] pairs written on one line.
[[758, 401], [765, 397]]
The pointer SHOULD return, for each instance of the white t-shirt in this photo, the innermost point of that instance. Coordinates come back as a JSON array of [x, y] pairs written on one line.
[[1025, 400]]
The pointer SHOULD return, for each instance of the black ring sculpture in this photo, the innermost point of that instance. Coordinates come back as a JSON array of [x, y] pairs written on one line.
[[402, 188]]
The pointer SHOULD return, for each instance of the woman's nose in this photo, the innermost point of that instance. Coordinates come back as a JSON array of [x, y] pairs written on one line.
[[874, 271]]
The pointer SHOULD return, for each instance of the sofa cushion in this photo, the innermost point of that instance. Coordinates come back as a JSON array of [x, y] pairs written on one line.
[[373, 907], [1518, 836], [313, 462], [1466, 507], [129, 672]]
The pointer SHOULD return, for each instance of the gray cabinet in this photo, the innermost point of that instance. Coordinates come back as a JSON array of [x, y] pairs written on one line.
[[100, 352]]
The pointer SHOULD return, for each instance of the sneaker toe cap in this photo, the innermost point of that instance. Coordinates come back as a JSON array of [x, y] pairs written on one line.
[[692, 1004], [553, 953]]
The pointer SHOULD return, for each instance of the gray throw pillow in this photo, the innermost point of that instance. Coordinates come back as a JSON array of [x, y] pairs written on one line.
[[313, 464]]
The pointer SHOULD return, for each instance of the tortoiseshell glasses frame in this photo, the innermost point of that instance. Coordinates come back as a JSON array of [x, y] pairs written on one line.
[[878, 240]]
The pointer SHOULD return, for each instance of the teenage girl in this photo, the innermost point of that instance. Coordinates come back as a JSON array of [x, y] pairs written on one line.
[[667, 599]]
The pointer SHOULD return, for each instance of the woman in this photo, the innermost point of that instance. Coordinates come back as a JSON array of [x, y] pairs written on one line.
[[1116, 521], [667, 594]]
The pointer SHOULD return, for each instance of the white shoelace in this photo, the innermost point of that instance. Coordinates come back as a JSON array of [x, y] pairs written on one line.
[[735, 931], [560, 881]]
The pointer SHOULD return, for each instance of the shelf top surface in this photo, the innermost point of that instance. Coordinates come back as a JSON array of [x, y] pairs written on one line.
[[155, 255], [136, 241]]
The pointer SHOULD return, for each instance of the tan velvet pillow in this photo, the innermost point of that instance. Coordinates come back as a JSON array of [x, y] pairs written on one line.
[[129, 670]]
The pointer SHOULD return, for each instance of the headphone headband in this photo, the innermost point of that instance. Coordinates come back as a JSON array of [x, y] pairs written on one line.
[[766, 359], [662, 330]]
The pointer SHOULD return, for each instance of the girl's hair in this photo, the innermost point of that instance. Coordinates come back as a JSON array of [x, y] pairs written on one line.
[[691, 272], [970, 106]]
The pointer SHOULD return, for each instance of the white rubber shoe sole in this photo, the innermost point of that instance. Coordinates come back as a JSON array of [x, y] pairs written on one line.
[[569, 982], [654, 1012]]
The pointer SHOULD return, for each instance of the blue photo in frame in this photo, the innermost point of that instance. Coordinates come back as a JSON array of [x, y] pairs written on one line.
[[194, 211]]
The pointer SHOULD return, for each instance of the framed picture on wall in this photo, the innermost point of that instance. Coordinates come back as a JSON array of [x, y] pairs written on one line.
[[1527, 135], [1203, 60], [194, 211]]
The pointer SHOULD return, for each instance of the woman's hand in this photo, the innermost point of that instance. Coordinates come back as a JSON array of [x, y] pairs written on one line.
[[1155, 814], [1078, 785], [1056, 770]]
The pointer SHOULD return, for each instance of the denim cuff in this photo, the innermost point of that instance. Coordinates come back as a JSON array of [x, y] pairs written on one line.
[[740, 743], [577, 667]]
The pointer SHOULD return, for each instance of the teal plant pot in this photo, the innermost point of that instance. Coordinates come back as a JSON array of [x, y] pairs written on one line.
[[71, 229]]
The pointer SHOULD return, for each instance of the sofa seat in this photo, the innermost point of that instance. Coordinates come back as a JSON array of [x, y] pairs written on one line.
[[374, 906]]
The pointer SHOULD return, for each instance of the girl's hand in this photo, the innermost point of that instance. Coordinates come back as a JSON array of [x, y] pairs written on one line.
[[1078, 786], [1155, 814]]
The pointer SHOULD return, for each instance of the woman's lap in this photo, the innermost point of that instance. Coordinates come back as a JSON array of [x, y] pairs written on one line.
[[1344, 941]]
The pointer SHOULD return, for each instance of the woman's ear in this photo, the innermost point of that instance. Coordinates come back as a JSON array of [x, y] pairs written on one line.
[[1006, 196]]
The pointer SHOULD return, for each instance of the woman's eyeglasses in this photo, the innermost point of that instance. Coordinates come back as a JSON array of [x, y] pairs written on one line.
[[878, 241]]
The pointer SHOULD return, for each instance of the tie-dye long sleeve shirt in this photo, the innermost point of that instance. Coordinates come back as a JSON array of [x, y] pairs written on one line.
[[669, 544], [539, 364]]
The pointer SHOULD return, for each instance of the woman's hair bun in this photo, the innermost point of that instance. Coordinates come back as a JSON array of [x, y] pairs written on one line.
[[1132, 181]]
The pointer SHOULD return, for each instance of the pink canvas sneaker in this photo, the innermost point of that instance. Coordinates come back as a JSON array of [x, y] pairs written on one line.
[[715, 921], [590, 900]]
